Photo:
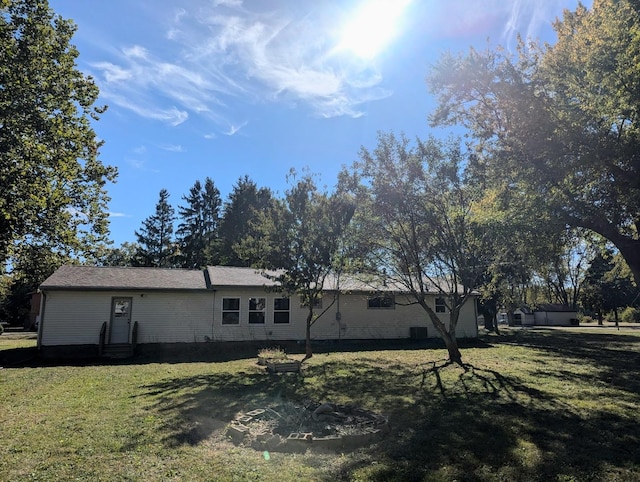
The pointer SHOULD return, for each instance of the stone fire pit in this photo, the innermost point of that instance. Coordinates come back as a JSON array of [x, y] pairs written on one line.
[[296, 428]]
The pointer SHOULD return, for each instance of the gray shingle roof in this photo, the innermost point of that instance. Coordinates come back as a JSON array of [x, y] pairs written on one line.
[[102, 278], [235, 276]]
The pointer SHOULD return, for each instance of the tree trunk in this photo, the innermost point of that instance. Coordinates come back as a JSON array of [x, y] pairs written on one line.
[[495, 322], [452, 347], [307, 345], [630, 251]]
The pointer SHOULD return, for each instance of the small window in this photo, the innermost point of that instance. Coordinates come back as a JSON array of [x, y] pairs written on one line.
[[281, 310], [316, 305], [385, 302], [230, 311], [256, 310], [441, 306]]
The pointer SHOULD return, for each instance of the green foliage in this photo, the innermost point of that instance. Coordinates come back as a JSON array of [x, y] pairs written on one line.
[[300, 235], [52, 185], [630, 314], [155, 238], [415, 224], [197, 232], [241, 210], [605, 287], [124, 255], [560, 120]]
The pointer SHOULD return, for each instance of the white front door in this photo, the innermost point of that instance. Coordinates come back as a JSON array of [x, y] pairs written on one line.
[[120, 320]]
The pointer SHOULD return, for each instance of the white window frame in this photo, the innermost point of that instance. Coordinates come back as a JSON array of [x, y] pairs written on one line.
[[227, 311]]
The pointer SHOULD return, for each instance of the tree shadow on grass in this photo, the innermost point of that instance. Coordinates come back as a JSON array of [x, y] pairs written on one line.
[[446, 422], [193, 408], [616, 357]]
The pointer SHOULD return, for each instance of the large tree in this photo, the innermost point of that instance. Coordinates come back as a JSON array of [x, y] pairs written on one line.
[[561, 118], [417, 228], [299, 238], [197, 232], [155, 239], [52, 184]]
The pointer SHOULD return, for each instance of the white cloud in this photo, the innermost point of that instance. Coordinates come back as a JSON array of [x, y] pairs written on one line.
[[119, 215], [221, 52], [234, 129], [172, 148]]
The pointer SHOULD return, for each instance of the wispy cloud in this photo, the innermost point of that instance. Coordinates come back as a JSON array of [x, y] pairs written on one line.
[[234, 129], [172, 148], [217, 53], [119, 215]]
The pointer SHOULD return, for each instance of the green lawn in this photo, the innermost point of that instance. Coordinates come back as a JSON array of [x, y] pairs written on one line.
[[533, 405]]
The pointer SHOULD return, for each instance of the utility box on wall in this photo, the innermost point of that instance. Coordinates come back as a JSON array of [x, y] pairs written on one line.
[[418, 332]]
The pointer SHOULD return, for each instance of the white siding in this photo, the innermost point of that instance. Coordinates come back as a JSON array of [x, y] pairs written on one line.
[[554, 318], [75, 318], [357, 321]]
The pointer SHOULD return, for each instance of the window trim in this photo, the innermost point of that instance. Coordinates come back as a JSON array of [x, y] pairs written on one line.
[[440, 305]]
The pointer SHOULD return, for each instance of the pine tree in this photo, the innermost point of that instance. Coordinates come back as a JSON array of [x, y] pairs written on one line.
[[198, 231], [237, 223], [155, 236]]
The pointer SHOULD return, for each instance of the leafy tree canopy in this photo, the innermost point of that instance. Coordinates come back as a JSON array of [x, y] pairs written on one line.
[[561, 119], [52, 184]]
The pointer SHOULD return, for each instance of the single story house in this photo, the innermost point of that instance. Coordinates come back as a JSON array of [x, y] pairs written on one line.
[[87, 309]]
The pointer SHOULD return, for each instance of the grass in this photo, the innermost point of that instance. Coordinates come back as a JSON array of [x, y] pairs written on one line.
[[532, 405]]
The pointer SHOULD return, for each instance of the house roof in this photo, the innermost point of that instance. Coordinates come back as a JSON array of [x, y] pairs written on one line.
[[228, 276], [554, 308], [214, 277], [111, 278]]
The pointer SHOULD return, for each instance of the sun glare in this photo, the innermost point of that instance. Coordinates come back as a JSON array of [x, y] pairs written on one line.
[[372, 27]]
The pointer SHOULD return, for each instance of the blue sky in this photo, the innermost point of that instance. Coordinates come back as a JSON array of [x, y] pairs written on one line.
[[224, 88]]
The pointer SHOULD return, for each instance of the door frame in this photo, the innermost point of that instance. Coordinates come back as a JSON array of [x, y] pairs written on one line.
[[112, 317]]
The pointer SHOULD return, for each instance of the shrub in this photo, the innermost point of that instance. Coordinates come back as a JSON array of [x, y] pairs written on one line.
[[630, 315], [275, 353]]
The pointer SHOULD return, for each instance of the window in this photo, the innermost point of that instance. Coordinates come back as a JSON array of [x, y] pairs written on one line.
[[281, 310], [230, 311], [385, 301], [441, 306], [256, 310]]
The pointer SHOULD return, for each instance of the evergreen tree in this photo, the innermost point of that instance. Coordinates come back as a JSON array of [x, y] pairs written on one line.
[[238, 221], [198, 231], [156, 236]]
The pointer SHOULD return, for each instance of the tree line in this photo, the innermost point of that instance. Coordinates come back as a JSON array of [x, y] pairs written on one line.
[[203, 232], [543, 196]]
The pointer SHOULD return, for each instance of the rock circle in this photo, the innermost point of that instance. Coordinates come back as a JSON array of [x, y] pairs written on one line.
[[294, 428]]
